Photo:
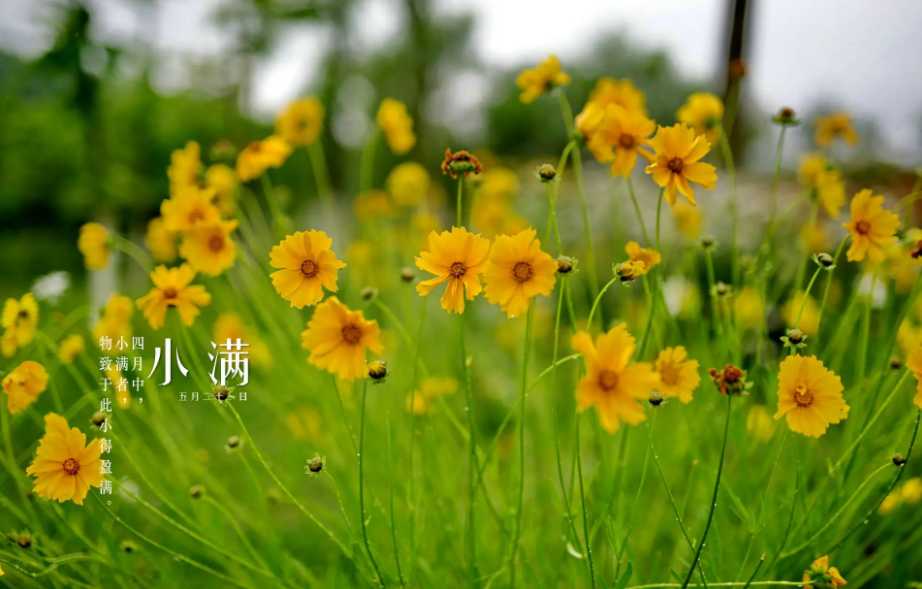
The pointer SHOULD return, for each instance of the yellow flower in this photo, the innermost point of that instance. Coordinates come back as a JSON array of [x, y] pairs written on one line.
[[160, 241], [620, 92], [498, 184], [229, 326], [397, 126], [495, 216], [649, 257], [814, 238], [912, 491], [19, 320], [890, 502], [821, 576], [187, 208], [185, 165], [809, 320], [678, 376], [620, 137], [259, 156], [759, 422], [612, 385], [678, 150], [337, 338], [631, 270], [703, 112], [70, 348], [306, 265], [431, 388], [750, 312], [173, 288], [909, 337], [223, 180], [809, 395], [455, 257], [688, 220], [589, 122], [537, 81], [830, 190], [903, 266], [914, 364], [872, 227], [209, 248], [65, 466], [838, 124], [408, 183], [93, 243], [372, 204], [302, 121], [812, 165], [23, 385], [115, 322], [517, 271]]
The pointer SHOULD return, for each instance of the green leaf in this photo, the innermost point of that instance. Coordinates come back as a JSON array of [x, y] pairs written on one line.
[[625, 577]]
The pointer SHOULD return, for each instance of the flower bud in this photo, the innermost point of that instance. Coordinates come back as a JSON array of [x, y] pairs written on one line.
[[708, 242], [233, 441], [24, 540], [547, 173], [630, 270], [129, 547], [196, 491], [825, 261], [917, 251], [656, 399], [896, 363], [377, 370], [368, 293], [722, 290], [315, 465], [407, 275], [221, 393], [795, 336], [899, 459], [564, 264], [461, 162], [786, 117], [98, 419], [737, 69]]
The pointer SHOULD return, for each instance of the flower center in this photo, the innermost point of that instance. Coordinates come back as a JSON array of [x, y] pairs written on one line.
[[169, 292], [608, 380], [802, 396], [522, 271], [196, 215], [352, 334], [626, 141], [216, 243], [309, 268], [675, 165], [255, 147], [669, 375], [457, 270], [863, 227], [23, 314], [71, 466]]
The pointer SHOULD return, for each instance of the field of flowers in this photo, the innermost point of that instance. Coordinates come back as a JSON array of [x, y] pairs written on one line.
[[532, 380]]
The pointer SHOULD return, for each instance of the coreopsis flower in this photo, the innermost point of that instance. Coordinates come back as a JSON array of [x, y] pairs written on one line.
[[811, 166], [612, 385], [809, 396], [19, 321], [687, 220], [620, 92], [115, 321], [495, 217], [95, 245], [631, 270], [748, 307], [544, 78], [678, 375], [759, 422], [589, 122], [229, 326], [222, 179], [620, 138], [821, 576], [372, 204], [649, 257], [830, 191], [23, 385], [408, 184], [517, 271], [914, 364], [872, 228], [187, 208], [890, 502], [160, 241], [809, 319], [909, 337], [337, 338], [498, 183], [306, 266], [397, 126], [911, 492], [173, 288], [259, 156], [65, 466], [456, 257], [302, 122], [676, 163], [70, 347], [703, 112], [431, 388], [838, 124], [185, 166], [460, 162], [814, 238], [209, 248]]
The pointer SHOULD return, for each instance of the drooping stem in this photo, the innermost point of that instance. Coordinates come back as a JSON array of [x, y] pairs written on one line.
[[523, 384], [598, 299], [371, 556]]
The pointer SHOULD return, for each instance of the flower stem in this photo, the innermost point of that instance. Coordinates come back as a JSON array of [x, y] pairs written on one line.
[[523, 384], [472, 456], [597, 300], [835, 261], [734, 205], [368, 162], [773, 195], [803, 301], [390, 481], [460, 202], [762, 559], [582, 496], [643, 227], [321, 176], [653, 304], [371, 555]]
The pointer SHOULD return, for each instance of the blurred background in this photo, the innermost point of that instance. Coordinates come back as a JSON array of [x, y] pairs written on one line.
[[95, 95]]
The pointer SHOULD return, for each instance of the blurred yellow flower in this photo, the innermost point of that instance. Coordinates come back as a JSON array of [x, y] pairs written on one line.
[[306, 265], [306, 425], [517, 271], [747, 304], [678, 375], [688, 220], [65, 466], [187, 208], [185, 166], [19, 321], [372, 204], [649, 257], [302, 122], [838, 124], [914, 364], [455, 257], [619, 92], [94, 244], [909, 337], [912, 491], [872, 228], [612, 385], [229, 326], [812, 165], [259, 156], [809, 396], [223, 180], [337, 338], [173, 288], [397, 126], [809, 320], [890, 502], [678, 150], [431, 388], [903, 266], [815, 238], [498, 184], [209, 248], [495, 216], [160, 241], [704, 113], [408, 184], [759, 422], [537, 81], [620, 137], [23, 385], [70, 347], [830, 190], [115, 322]]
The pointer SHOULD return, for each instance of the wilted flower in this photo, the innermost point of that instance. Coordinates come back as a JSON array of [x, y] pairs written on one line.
[[460, 162]]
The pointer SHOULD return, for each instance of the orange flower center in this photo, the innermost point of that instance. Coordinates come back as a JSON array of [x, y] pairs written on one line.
[[522, 271], [863, 227], [195, 216], [669, 375], [626, 141], [457, 270], [216, 243], [675, 165], [608, 380], [352, 334], [309, 268], [255, 147], [802, 396], [169, 292], [71, 466]]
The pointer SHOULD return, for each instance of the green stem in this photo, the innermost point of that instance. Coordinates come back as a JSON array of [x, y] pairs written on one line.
[[734, 205], [368, 162], [758, 566], [595, 303], [371, 555], [582, 496], [134, 251], [472, 455], [390, 482], [522, 388], [649, 327], [460, 202], [643, 227], [773, 195], [321, 175], [835, 261], [803, 302], [272, 200]]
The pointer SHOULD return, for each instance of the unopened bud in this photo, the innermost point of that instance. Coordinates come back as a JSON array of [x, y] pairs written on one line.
[[708, 242], [786, 117], [656, 399], [377, 369], [24, 540], [564, 264], [221, 393], [233, 441], [899, 459], [368, 293], [546, 172], [630, 270], [896, 363], [795, 336], [825, 260], [196, 491], [407, 275], [98, 419]]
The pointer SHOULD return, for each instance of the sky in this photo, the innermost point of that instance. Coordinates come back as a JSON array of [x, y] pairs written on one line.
[[860, 55]]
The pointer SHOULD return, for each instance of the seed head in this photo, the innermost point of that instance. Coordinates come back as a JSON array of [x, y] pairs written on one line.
[[407, 275], [461, 162], [564, 264], [730, 381]]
